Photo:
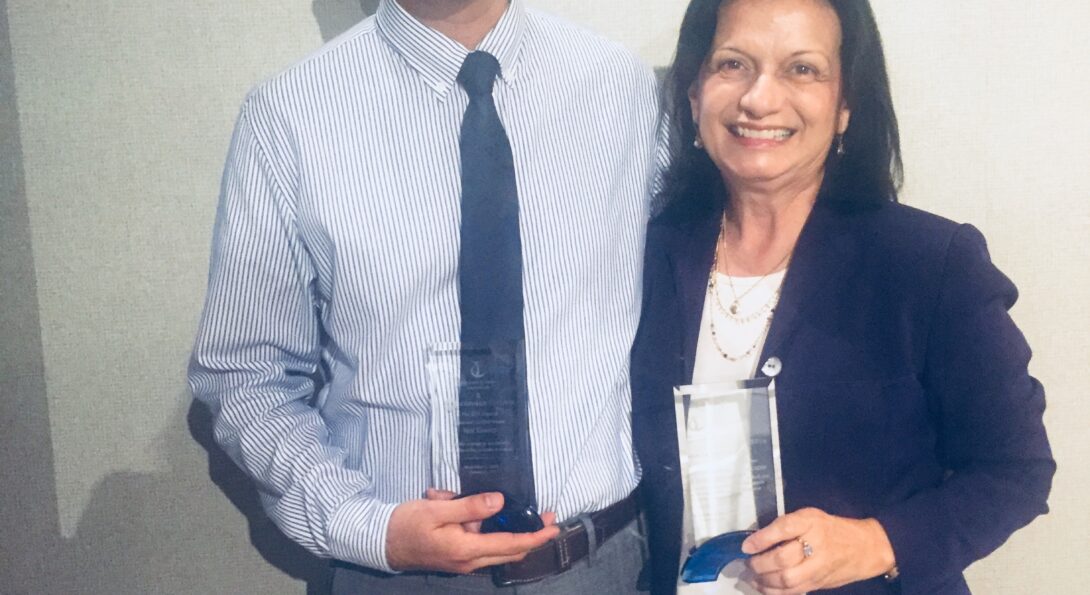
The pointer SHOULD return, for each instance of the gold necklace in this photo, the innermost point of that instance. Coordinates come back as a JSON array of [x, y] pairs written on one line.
[[713, 288], [736, 358], [736, 304], [768, 308]]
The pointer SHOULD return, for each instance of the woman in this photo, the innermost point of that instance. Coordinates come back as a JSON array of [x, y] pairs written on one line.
[[910, 430]]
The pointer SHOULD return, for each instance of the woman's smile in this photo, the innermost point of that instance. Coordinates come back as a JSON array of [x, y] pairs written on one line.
[[763, 136]]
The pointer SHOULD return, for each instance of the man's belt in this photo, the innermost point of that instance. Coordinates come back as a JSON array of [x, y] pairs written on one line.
[[568, 548]]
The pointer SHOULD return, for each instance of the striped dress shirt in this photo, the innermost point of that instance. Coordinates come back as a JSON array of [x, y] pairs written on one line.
[[334, 268]]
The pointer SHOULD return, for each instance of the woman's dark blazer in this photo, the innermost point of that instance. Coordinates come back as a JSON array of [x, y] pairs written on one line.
[[904, 393]]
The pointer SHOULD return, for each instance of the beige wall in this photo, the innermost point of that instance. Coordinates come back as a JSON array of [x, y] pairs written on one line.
[[996, 133], [112, 151]]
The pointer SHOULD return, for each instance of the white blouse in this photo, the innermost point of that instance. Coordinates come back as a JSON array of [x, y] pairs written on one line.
[[742, 337]]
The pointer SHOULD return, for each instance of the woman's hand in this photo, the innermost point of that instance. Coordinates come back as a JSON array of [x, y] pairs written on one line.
[[841, 551]]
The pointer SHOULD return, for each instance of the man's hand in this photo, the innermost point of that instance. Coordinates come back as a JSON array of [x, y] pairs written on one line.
[[547, 518], [842, 550], [442, 534]]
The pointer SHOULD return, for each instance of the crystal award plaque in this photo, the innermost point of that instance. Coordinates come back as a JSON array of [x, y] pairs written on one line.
[[730, 470], [480, 434]]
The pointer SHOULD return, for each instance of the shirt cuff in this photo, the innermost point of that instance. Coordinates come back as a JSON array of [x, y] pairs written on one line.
[[357, 532]]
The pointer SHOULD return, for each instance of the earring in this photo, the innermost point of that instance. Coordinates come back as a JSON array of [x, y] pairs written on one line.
[[697, 142], [840, 145]]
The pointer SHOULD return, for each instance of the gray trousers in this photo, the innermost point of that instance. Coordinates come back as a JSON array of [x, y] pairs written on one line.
[[613, 571]]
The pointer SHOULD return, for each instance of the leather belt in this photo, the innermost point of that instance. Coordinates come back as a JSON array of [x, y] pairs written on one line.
[[568, 548]]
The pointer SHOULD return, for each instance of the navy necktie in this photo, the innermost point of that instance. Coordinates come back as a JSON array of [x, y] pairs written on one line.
[[490, 272], [490, 292]]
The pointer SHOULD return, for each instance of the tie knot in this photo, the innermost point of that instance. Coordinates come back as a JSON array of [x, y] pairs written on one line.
[[479, 73]]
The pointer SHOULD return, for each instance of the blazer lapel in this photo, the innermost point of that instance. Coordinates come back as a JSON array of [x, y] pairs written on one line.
[[826, 252], [692, 266], [824, 256]]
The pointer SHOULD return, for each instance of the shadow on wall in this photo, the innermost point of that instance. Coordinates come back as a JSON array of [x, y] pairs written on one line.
[[273, 546], [173, 532], [337, 16]]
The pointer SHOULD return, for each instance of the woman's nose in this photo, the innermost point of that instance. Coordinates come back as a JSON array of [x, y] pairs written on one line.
[[763, 97]]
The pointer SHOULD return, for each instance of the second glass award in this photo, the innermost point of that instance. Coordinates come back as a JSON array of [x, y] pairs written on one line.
[[730, 468]]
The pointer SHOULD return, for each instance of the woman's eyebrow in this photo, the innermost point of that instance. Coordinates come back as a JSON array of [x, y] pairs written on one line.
[[729, 48]]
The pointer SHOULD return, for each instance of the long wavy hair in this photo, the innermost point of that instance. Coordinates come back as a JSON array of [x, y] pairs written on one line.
[[869, 173]]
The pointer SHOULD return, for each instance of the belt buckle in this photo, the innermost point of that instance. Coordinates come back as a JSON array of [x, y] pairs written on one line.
[[560, 549], [563, 553]]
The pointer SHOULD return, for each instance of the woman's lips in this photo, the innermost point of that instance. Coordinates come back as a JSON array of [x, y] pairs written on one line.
[[760, 134]]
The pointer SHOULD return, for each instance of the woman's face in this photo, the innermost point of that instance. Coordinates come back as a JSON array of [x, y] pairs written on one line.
[[767, 103]]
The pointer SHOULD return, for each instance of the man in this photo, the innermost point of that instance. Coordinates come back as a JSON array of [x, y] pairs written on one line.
[[346, 233]]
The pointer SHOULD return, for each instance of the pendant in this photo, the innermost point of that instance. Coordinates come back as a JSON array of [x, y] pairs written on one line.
[[734, 308]]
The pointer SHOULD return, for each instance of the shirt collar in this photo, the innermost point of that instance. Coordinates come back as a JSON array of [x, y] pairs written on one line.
[[438, 58]]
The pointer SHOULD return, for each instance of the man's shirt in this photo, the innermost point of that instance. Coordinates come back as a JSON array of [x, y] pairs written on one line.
[[335, 268]]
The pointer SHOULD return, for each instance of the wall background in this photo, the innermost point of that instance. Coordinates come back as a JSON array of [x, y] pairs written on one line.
[[114, 122]]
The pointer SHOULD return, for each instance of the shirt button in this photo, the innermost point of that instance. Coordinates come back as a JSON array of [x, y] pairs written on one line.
[[772, 367]]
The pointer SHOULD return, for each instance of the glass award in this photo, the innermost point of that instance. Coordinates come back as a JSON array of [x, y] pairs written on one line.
[[728, 440], [480, 434]]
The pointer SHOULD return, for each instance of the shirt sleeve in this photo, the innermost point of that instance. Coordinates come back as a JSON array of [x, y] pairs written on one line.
[[257, 359], [991, 438], [662, 158]]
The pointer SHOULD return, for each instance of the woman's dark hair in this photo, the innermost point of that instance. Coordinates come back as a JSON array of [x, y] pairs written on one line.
[[869, 172]]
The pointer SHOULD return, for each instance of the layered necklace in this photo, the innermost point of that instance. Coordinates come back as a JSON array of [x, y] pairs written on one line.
[[733, 310]]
